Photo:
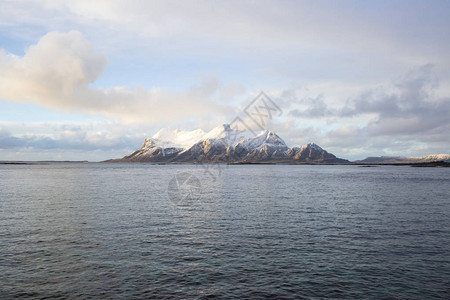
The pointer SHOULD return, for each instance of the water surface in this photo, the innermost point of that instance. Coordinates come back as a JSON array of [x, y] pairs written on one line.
[[256, 231]]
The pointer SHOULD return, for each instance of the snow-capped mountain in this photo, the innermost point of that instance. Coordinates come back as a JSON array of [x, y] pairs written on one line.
[[224, 144], [405, 159]]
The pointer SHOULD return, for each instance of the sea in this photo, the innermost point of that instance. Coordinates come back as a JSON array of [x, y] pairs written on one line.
[[151, 231]]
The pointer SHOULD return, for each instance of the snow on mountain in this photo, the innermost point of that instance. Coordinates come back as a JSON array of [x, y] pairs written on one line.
[[405, 159], [227, 135], [265, 138], [168, 137], [224, 144], [312, 146], [313, 153], [266, 145], [435, 157]]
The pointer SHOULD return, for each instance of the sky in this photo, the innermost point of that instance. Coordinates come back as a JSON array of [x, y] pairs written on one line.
[[90, 80]]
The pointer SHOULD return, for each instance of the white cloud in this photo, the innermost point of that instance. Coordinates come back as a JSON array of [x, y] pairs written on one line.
[[58, 73]]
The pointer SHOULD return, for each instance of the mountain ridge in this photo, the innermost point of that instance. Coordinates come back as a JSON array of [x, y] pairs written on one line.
[[404, 159], [226, 145]]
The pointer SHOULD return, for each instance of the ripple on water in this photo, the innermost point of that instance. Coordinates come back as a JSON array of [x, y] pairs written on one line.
[[110, 231]]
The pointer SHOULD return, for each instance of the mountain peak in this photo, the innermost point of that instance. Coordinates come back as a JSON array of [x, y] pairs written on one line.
[[227, 134], [313, 146], [225, 144], [272, 138], [148, 143]]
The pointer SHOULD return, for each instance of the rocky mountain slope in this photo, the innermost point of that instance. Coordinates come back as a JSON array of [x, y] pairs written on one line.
[[223, 144]]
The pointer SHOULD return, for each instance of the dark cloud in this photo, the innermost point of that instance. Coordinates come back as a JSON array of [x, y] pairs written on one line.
[[410, 110], [412, 98], [405, 118]]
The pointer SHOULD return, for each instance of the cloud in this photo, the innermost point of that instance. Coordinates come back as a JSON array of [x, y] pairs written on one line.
[[88, 137], [60, 70], [410, 108], [406, 117], [312, 107], [94, 141], [407, 106]]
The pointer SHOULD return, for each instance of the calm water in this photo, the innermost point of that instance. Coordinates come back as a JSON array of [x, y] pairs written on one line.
[[111, 231]]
